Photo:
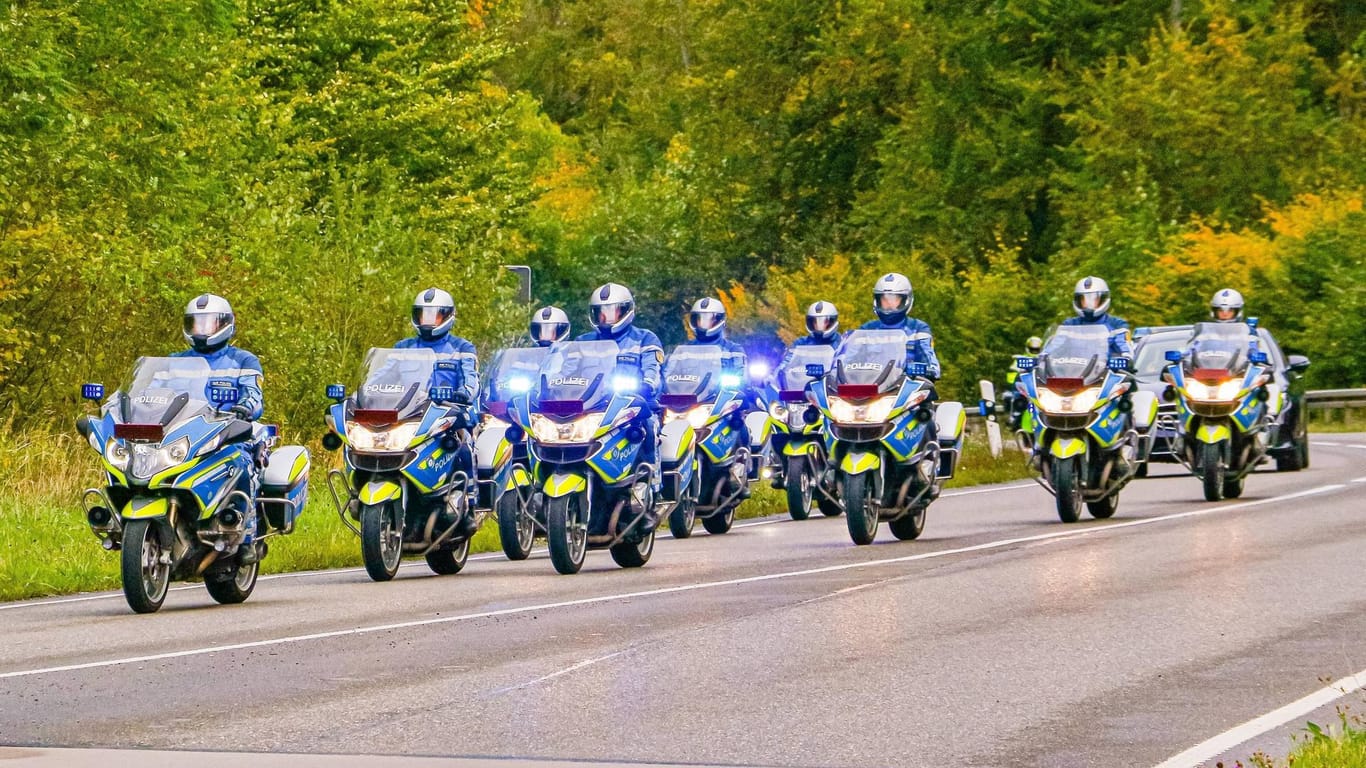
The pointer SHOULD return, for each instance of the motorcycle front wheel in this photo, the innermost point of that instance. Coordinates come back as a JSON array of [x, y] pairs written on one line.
[[146, 579], [567, 532], [381, 539], [861, 520]]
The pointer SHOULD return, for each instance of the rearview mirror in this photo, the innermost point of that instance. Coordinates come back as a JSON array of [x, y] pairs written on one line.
[[1298, 363]]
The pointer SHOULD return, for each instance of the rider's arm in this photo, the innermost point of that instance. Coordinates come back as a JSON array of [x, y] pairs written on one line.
[[251, 400], [651, 355], [923, 341], [469, 366]]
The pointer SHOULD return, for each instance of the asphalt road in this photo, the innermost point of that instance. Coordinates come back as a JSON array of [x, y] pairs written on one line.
[[1001, 638]]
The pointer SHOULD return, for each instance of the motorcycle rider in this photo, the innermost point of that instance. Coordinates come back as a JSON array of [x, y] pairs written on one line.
[[549, 325], [1091, 302], [1015, 403], [707, 320], [209, 326], [893, 298], [433, 317], [612, 312]]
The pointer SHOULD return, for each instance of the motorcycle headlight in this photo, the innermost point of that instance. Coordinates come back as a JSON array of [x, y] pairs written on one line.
[[580, 430], [875, 411], [176, 452], [395, 438], [699, 415], [1079, 402], [1222, 392], [778, 410], [116, 453]]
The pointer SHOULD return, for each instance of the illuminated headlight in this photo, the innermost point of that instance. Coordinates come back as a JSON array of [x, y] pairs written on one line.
[[395, 438], [1224, 391], [758, 370], [696, 416], [116, 453], [580, 430], [1081, 402], [778, 410], [874, 411]]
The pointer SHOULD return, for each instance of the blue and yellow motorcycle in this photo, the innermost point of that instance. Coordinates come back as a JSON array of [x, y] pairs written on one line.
[[404, 480], [176, 465], [1220, 388], [889, 463], [1090, 423], [502, 463], [799, 441], [583, 418], [705, 468]]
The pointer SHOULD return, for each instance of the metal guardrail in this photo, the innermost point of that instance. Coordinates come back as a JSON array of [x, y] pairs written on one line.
[[1327, 399]]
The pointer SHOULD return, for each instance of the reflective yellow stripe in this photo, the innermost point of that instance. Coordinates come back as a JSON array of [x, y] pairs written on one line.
[[1213, 433], [562, 484], [380, 491], [142, 508], [856, 463], [1067, 447]]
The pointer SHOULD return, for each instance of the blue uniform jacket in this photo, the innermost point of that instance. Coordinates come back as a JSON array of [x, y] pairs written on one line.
[[459, 349], [241, 366], [1119, 332], [638, 341], [920, 341]]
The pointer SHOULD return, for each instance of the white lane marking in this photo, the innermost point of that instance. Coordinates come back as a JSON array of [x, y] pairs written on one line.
[[1257, 726], [1067, 534], [414, 564], [1360, 480], [565, 671]]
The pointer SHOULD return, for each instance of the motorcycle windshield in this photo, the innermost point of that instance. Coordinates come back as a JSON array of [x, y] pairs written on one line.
[[579, 371], [513, 372], [1077, 353], [694, 371], [1219, 347], [397, 380], [792, 377], [871, 359], [165, 389]]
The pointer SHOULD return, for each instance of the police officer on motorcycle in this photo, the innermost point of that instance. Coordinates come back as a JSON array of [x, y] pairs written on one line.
[[209, 326], [1091, 302], [707, 320], [549, 325], [892, 302], [433, 317], [1014, 402], [612, 311], [822, 326]]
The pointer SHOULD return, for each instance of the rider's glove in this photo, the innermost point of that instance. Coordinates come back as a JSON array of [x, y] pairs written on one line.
[[241, 411]]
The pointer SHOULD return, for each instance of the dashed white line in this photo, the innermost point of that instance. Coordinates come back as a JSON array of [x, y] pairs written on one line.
[[1257, 726], [365, 630]]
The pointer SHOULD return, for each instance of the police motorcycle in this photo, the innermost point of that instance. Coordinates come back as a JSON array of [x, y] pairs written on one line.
[[174, 458], [799, 440], [585, 445], [402, 482], [1221, 395], [888, 465], [1084, 446], [502, 464], [705, 468]]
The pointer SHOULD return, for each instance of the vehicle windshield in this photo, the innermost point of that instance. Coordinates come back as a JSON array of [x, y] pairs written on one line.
[[579, 371], [792, 377], [695, 370], [166, 388], [873, 358], [513, 372], [1076, 352], [1219, 346], [1151, 356], [396, 379]]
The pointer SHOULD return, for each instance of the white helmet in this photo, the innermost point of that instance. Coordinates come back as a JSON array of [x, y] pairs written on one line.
[[612, 309], [549, 325], [1091, 297], [433, 314], [822, 320], [1226, 301], [893, 297], [707, 319], [209, 323]]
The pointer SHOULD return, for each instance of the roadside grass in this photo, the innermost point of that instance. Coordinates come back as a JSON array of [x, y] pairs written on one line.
[[47, 549], [1337, 746], [1338, 421]]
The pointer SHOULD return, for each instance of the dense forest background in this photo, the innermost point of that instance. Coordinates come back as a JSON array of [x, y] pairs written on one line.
[[318, 162]]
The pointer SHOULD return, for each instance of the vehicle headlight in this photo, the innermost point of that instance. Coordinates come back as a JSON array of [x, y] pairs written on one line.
[[395, 438], [580, 430], [147, 459], [176, 452], [116, 453], [778, 410], [1080, 402], [1224, 391], [875, 411]]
